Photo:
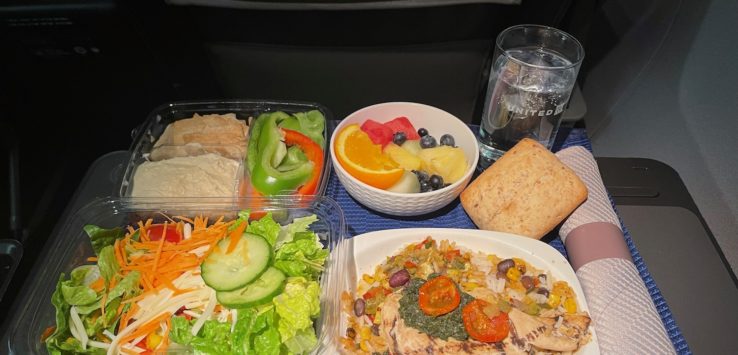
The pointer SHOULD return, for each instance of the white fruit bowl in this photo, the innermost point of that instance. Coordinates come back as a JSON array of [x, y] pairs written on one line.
[[437, 122]]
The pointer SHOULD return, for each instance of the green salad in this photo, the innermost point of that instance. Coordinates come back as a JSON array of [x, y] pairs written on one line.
[[243, 286]]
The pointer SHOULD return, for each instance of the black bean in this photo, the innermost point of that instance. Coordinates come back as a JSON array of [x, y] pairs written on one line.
[[505, 265], [351, 333], [359, 306], [375, 329], [527, 282], [500, 275], [399, 278], [542, 291]]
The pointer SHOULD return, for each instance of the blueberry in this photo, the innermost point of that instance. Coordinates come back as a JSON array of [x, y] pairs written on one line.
[[436, 181], [422, 132], [427, 142], [448, 140], [425, 186], [422, 175], [399, 138]]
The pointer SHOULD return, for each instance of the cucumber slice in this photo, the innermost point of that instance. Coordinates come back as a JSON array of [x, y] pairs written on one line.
[[248, 260], [262, 290]]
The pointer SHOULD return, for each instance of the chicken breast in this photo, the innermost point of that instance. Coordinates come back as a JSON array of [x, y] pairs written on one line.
[[545, 334], [406, 340], [528, 333]]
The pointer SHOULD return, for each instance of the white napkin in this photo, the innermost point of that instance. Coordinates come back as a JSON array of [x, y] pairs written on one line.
[[623, 313]]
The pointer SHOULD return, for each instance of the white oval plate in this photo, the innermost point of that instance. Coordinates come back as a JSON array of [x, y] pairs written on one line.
[[371, 249]]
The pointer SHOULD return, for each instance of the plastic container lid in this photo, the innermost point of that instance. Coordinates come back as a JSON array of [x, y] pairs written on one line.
[[146, 135], [70, 247]]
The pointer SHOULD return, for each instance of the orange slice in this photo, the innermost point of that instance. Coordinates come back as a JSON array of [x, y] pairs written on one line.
[[364, 160]]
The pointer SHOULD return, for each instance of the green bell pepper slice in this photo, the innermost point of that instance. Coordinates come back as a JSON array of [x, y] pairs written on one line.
[[267, 152]]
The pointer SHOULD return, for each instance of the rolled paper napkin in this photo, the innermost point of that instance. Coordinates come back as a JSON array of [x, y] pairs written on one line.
[[622, 310]]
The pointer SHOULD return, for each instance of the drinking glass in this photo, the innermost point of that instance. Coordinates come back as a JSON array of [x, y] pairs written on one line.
[[533, 73]]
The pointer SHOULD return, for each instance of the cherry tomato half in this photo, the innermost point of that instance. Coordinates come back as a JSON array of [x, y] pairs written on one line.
[[157, 230], [480, 326], [439, 296]]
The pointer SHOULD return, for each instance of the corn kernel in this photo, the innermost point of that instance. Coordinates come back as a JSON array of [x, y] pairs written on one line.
[[365, 333], [378, 317], [562, 289], [469, 285], [368, 279], [553, 300], [153, 340], [513, 274], [364, 345], [570, 305]]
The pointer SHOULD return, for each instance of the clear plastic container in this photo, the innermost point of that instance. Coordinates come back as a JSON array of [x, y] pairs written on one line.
[[70, 247], [146, 135]]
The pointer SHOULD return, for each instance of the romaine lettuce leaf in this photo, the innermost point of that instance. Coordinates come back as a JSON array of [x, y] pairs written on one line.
[[265, 227], [303, 256], [75, 291], [107, 264], [298, 225], [101, 238], [213, 337], [303, 341], [297, 306], [254, 331], [126, 287], [78, 295]]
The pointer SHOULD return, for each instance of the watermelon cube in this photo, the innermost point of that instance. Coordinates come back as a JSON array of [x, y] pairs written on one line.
[[402, 124], [378, 133]]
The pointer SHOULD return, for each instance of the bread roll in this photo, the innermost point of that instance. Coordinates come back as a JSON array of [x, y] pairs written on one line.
[[224, 135], [528, 191]]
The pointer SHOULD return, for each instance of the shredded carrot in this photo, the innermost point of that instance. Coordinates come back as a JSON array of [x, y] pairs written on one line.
[[148, 284], [92, 259], [127, 317], [146, 328], [50, 330], [120, 309], [98, 285], [183, 291], [116, 252], [236, 236], [183, 218], [158, 249], [122, 250]]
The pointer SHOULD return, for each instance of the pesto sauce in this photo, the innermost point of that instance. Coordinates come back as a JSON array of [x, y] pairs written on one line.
[[443, 326]]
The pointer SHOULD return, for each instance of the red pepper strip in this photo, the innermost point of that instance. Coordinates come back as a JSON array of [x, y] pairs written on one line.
[[313, 152], [449, 255], [374, 291], [424, 243]]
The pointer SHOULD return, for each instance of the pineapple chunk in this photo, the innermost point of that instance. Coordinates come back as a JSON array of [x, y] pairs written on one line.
[[448, 162], [402, 157]]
